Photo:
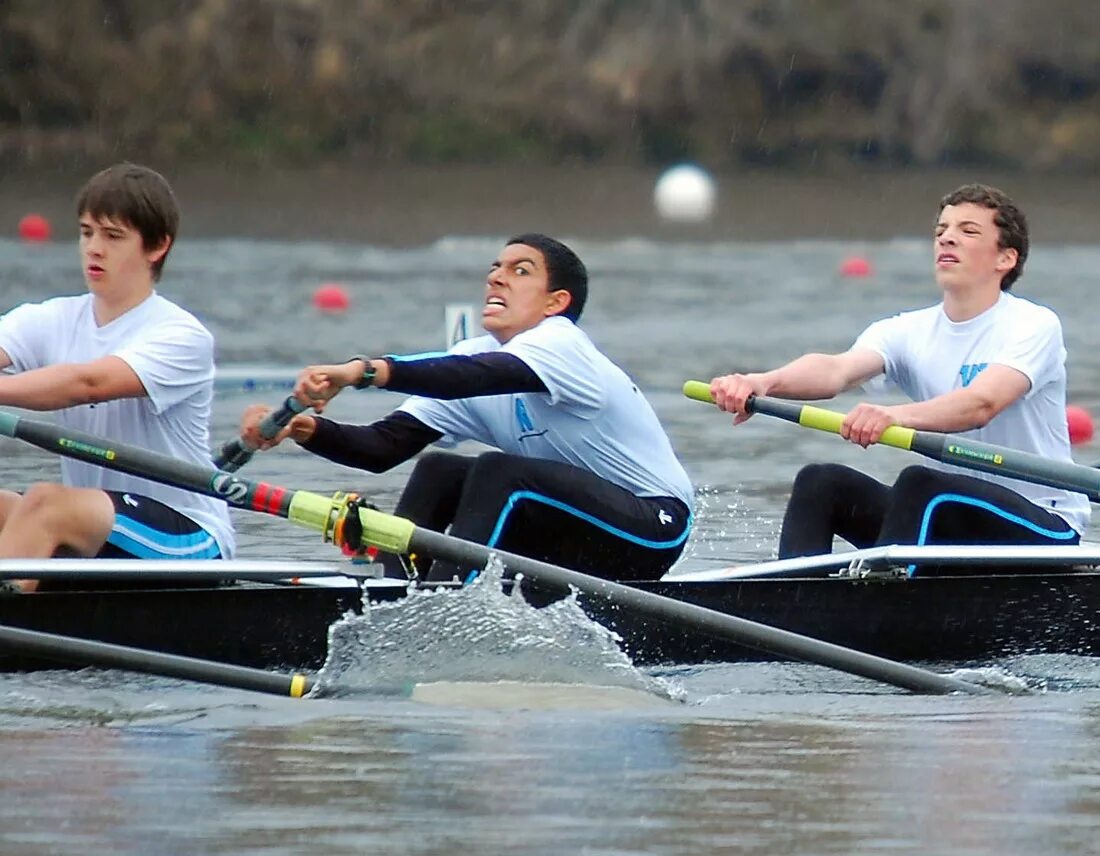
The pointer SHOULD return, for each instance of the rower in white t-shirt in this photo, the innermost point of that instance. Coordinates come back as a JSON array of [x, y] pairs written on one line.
[[983, 362], [121, 362], [585, 475]]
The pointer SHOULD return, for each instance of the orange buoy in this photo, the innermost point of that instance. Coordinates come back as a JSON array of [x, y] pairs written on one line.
[[1080, 424], [35, 228], [855, 266], [332, 298]]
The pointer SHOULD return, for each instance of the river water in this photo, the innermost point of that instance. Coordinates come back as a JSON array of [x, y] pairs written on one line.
[[754, 758]]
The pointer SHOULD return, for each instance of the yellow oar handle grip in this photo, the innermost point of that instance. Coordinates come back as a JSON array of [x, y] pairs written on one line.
[[804, 414]]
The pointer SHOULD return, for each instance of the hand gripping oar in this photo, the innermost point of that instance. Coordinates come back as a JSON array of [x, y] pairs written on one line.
[[393, 534], [948, 448], [237, 452]]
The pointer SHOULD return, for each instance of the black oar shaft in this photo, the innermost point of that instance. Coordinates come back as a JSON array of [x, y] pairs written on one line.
[[68, 649], [233, 489], [238, 451], [751, 634]]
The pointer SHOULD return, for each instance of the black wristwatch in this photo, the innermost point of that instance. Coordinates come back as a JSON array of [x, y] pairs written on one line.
[[367, 378]]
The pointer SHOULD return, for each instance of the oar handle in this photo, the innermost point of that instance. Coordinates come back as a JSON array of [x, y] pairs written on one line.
[[806, 415], [238, 451]]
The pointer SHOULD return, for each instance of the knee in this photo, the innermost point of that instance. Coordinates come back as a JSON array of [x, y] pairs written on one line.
[[817, 478], [918, 482], [437, 463], [41, 497]]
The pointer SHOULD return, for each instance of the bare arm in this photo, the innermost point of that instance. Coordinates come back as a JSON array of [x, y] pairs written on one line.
[[69, 384], [810, 377], [963, 409]]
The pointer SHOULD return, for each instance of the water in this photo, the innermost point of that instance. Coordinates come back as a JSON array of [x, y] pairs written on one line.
[[747, 758]]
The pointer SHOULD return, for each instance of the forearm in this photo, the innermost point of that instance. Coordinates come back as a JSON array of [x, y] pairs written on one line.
[[376, 448], [454, 376], [56, 387], [808, 378], [958, 410]]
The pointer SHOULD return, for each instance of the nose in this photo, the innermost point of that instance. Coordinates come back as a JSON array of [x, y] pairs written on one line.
[[495, 277]]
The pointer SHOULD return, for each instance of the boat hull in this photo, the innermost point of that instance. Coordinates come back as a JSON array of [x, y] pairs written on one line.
[[972, 618]]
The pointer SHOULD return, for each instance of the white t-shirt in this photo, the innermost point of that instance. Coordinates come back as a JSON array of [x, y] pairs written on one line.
[[171, 353], [927, 355], [592, 415]]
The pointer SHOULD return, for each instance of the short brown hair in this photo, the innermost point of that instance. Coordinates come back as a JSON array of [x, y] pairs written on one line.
[[1009, 220], [137, 196]]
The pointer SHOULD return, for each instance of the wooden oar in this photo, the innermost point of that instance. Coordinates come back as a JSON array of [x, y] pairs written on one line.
[[68, 649], [397, 535], [948, 448], [237, 452]]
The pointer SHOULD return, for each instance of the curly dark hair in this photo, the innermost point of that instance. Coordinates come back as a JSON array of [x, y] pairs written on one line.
[[1010, 221]]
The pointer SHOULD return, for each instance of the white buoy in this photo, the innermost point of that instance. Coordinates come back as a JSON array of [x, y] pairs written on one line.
[[685, 194]]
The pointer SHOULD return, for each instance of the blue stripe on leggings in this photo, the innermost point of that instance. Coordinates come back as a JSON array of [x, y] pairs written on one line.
[[926, 522], [145, 542], [514, 499]]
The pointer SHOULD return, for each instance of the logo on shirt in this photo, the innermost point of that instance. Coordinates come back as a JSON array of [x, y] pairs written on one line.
[[524, 423], [664, 517], [971, 371], [129, 500]]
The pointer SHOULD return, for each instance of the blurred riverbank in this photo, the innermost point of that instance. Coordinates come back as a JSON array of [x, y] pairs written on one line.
[[407, 206]]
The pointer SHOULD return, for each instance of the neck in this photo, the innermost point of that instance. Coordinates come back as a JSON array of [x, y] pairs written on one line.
[[106, 308], [964, 305]]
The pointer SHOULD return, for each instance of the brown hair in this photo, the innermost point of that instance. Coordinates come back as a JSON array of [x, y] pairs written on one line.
[[1009, 220], [137, 196]]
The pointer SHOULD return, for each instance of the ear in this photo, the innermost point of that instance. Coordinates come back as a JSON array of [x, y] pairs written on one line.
[[1006, 259], [158, 252], [557, 302]]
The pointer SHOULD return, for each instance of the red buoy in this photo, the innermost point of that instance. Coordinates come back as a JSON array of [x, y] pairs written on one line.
[[34, 227], [331, 297], [1080, 424], [855, 266]]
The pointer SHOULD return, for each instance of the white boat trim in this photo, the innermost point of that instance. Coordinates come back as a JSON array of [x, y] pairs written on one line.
[[320, 573], [902, 556]]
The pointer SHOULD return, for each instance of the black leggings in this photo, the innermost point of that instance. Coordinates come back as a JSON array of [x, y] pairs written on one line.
[[924, 506], [545, 510]]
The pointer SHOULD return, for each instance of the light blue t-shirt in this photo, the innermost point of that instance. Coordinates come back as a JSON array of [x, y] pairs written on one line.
[[592, 415]]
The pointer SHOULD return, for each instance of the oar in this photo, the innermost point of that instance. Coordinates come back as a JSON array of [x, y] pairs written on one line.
[[237, 452], [948, 448], [68, 649], [393, 534]]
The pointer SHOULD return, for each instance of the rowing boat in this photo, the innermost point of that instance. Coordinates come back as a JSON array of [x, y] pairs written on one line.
[[962, 604]]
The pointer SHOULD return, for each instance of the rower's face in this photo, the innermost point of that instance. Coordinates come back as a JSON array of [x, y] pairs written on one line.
[[517, 293], [967, 246], [113, 256]]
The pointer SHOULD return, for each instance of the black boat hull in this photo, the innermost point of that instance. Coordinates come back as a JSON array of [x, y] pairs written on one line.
[[957, 619]]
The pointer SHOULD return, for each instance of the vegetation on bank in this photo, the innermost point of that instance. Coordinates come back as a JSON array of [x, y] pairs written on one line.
[[778, 82]]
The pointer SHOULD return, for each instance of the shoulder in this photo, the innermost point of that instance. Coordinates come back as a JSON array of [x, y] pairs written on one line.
[[554, 331], [1036, 313], [475, 345], [163, 310]]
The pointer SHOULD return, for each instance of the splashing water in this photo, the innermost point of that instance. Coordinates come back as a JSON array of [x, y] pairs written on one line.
[[477, 633]]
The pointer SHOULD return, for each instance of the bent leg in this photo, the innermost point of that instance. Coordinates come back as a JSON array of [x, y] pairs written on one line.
[[930, 506], [558, 513], [429, 500], [52, 517], [828, 500]]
